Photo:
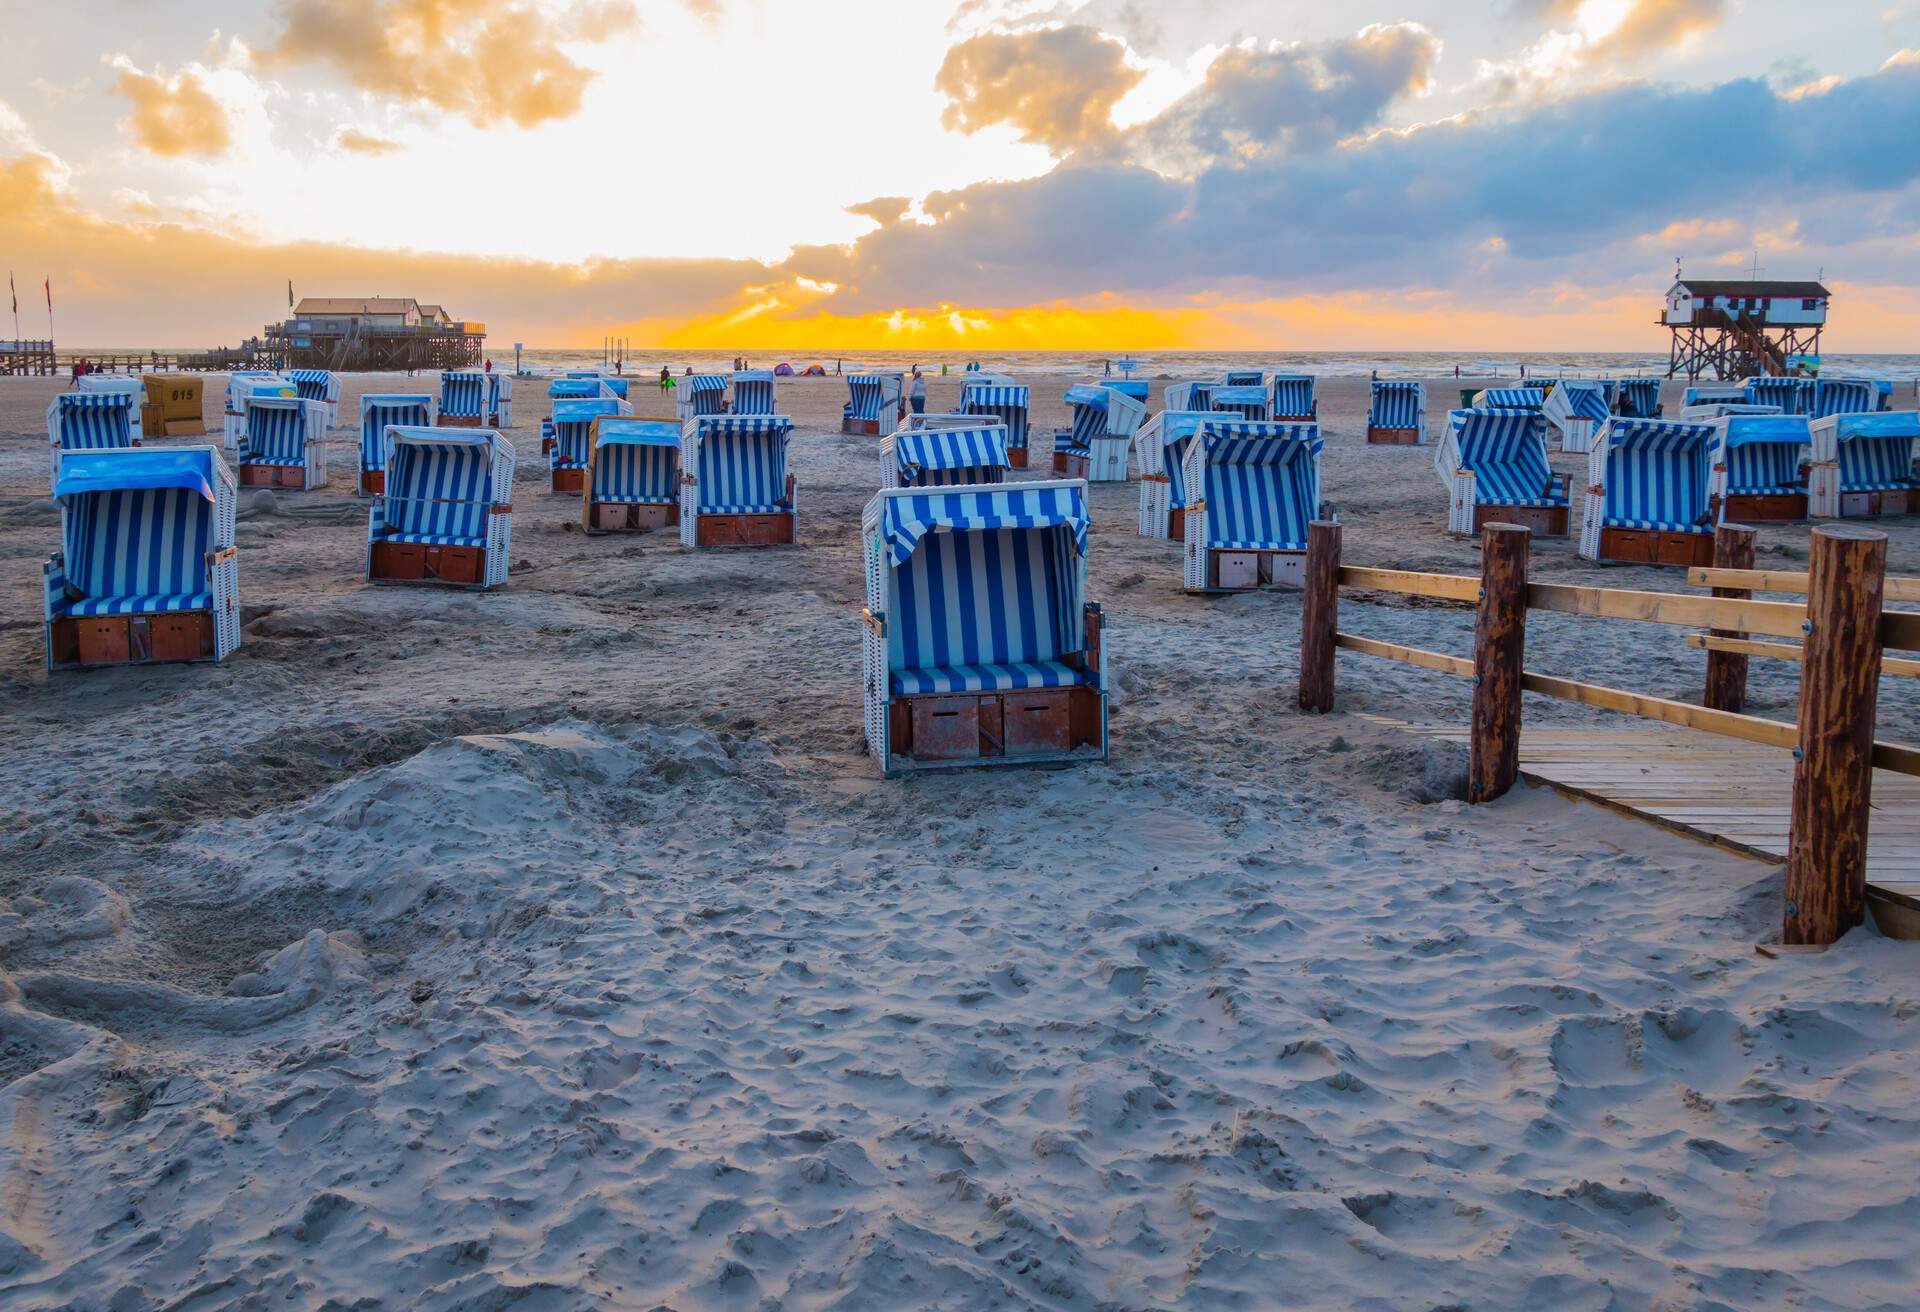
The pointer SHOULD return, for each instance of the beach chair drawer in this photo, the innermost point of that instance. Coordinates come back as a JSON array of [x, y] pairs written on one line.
[[946, 728], [1684, 549], [102, 640], [1236, 569], [373, 482], [399, 560], [186, 636], [453, 564], [1037, 722], [1630, 546], [284, 476], [569, 480]]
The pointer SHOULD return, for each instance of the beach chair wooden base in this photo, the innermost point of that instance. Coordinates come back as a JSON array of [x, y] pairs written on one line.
[[1177, 524], [546, 446], [1016, 457], [1766, 507], [631, 516], [373, 482], [414, 562], [1070, 464], [170, 638], [1245, 571], [457, 421], [744, 531], [861, 427], [291, 477], [1296, 419], [1393, 436], [1858, 505], [1545, 521], [569, 480], [994, 728], [1633, 546]]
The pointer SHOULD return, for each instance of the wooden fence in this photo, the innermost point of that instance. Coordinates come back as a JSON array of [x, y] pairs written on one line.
[[1843, 632]]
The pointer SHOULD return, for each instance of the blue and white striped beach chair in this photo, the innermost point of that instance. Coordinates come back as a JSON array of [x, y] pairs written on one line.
[[1510, 398], [1397, 412], [1843, 396], [874, 404], [572, 438], [1638, 398], [318, 385], [574, 387], [1293, 400], [240, 386], [1191, 397], [88, 421], [1096, 446], [1161, 447], [283, 443], [1576, 408], [377, 411], [1493, 464], [1244, 400], [1009, 403], [499, 401], [633, 475], [463, 399], [1707, 394], [736, 489], [146, 569], [979, 644], [1794, 396], [702, 394], [1757, 466], [1244, 378], [1253, 488], [1863, 464], [1649, 497], [446, 516], [756, 392], [120, 385], [945, 456]]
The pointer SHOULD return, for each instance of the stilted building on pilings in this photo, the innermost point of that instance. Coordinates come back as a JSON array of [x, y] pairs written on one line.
[[1743, 329], [25, 357], [374, 332]]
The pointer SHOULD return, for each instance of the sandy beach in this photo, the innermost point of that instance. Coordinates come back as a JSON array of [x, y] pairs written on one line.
[[561, 947]]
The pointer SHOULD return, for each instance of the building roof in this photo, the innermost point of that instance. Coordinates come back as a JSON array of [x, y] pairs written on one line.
[[356, 305], [1785, 290], [432, 312]]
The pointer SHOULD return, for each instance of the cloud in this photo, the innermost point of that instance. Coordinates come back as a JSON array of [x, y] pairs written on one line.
[[176, 115], [365, 143], [486, 60], [1639, 27], [1056, 87]]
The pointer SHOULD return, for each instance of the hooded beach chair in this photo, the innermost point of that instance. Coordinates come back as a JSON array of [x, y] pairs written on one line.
[[1706, 414], [1194, 396], [755, 392], [1794, 396], [1510, 398], [1244, 378], [115, 385], [1397, 413], [1136, 388], [463, 399], [609, 384], [283, 443], [1293, 401], [1244, 400], [1096, 446], [572, 438], [1493, 464], [499, 401], [702, 394], [633, 475], [1863, 464], [1252, 488], [735, 487], [1757, 458], [1576, 408], [377, 411], [1011, 404], [873, 405], [318, 385], [1843, 396], [240, 386], [1705, 394], [975, 454], [88, 421], [446, 516], [1649, 498], [1161, 445], [145, 570], [979, 644], [1639, 398], [574, 387]]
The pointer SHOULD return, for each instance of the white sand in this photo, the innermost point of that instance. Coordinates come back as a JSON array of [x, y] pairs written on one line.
[[559, 948]]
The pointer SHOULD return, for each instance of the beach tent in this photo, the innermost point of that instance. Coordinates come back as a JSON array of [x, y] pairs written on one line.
[[1649, 497], [944, 456], [318, 385], [1161, 445], [1293, 399], [735, 487], [1576, 408], [1510, 398], [446, 516], [633, 475], [979, 644], [754, 392], [115, 385], [1095, 447], [145, 570], [572, 433], [500, 400], [1863, 464], [783, 371], [1638, 398], [1397, 413], [1008, 402], [874, 405], [88, 421], [814, 371], [1794, 396], [1493, 464], [377, 411], [1756, 466], [1843, 396], [1242, 399], [1254, 487], [240, 386], [283, 443]]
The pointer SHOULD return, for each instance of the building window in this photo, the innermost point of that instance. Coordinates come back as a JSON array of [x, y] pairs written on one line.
[[1811, 303]]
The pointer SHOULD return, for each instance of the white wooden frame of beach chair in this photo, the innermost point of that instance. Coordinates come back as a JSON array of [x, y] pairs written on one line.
[[1096, 447], [939, 419], [700, 396], [1493, 464], [959, 455], [146, 570], [240, 386], [756, 392], [1794, 396], [572, 448], [1292, 400], [1639, 398], [1161, 447], [1706, 414], [1189, 397], [116, 385], [1397, 412], [377, 411], [88, 421], [499, 400], [463, 399], [997, 397], [736, 482], [1510, 398], [875, 404], [1576, 408], [283, 443], [321, 385], [1843, 396], [1863, 465], [632, 483], [1758, 465], [1649, 495], [1016, 676], [446, 516], [1252, 489]]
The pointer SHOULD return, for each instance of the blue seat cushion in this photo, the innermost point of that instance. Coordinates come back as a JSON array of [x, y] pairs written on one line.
[[151, 604], [1890, 485], [289, 462], [435, 539], [1256, 546], [1660, 525], [746, 510], [987, 678]]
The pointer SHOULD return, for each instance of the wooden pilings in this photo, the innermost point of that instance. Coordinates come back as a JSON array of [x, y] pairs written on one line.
[[1833, 768], [1727, 670], [1499, 658], [1319, 616]]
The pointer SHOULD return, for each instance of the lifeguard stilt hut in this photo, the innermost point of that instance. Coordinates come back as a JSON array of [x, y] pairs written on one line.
[[1730, 330]]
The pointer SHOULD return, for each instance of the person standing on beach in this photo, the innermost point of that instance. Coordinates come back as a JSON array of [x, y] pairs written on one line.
[[666, 378], [919, 394]]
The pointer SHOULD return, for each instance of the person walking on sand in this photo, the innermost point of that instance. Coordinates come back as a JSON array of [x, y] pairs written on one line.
[[919, 394], [489, 364], [666, 379]]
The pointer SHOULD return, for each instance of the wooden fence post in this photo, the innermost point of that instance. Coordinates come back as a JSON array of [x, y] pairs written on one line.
[[1833, 767], [1499, 656], [1727, 671], [1319, 616]]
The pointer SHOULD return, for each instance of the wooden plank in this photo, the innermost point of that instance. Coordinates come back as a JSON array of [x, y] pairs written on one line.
[[1751, 728], [1450, 587], [1459, 666], [1778, 619], [1786, 651], [1898, 588]]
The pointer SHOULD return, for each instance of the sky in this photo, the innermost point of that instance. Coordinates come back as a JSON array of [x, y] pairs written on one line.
[[837, 175]]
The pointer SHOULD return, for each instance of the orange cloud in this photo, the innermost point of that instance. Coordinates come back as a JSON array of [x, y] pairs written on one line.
[[365, 143], [1645, 27], [1057, 87], [174, 115]]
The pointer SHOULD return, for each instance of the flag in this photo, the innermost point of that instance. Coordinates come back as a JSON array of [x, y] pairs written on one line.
[[13, 292], [49, 295], [289, 293]]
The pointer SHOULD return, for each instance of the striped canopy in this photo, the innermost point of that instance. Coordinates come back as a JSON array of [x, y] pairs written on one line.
[[575, 387], [1761, 452], [1262, 483], [941, 457], [1177, 429], [1510, 398], [187, 468], [1089, 407], [276, 431], [1843, 396], [1875, 451], [1395, 405], [636, 459], [1010, 403], [1721, 409], [136, 529], [439, 485], [870, 393], [1638, 398], [705, 383], [1506, 451], [743, 464], [906, 520], [572, 421], [1244, 378], [1583, 400], [1247, 400], [1716, 394], [1134, 387], [93, 421], [1792, 395], [311, 384], [1293, 395], [379, 410], [753, 392], [1658, 473], [463, 394]]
